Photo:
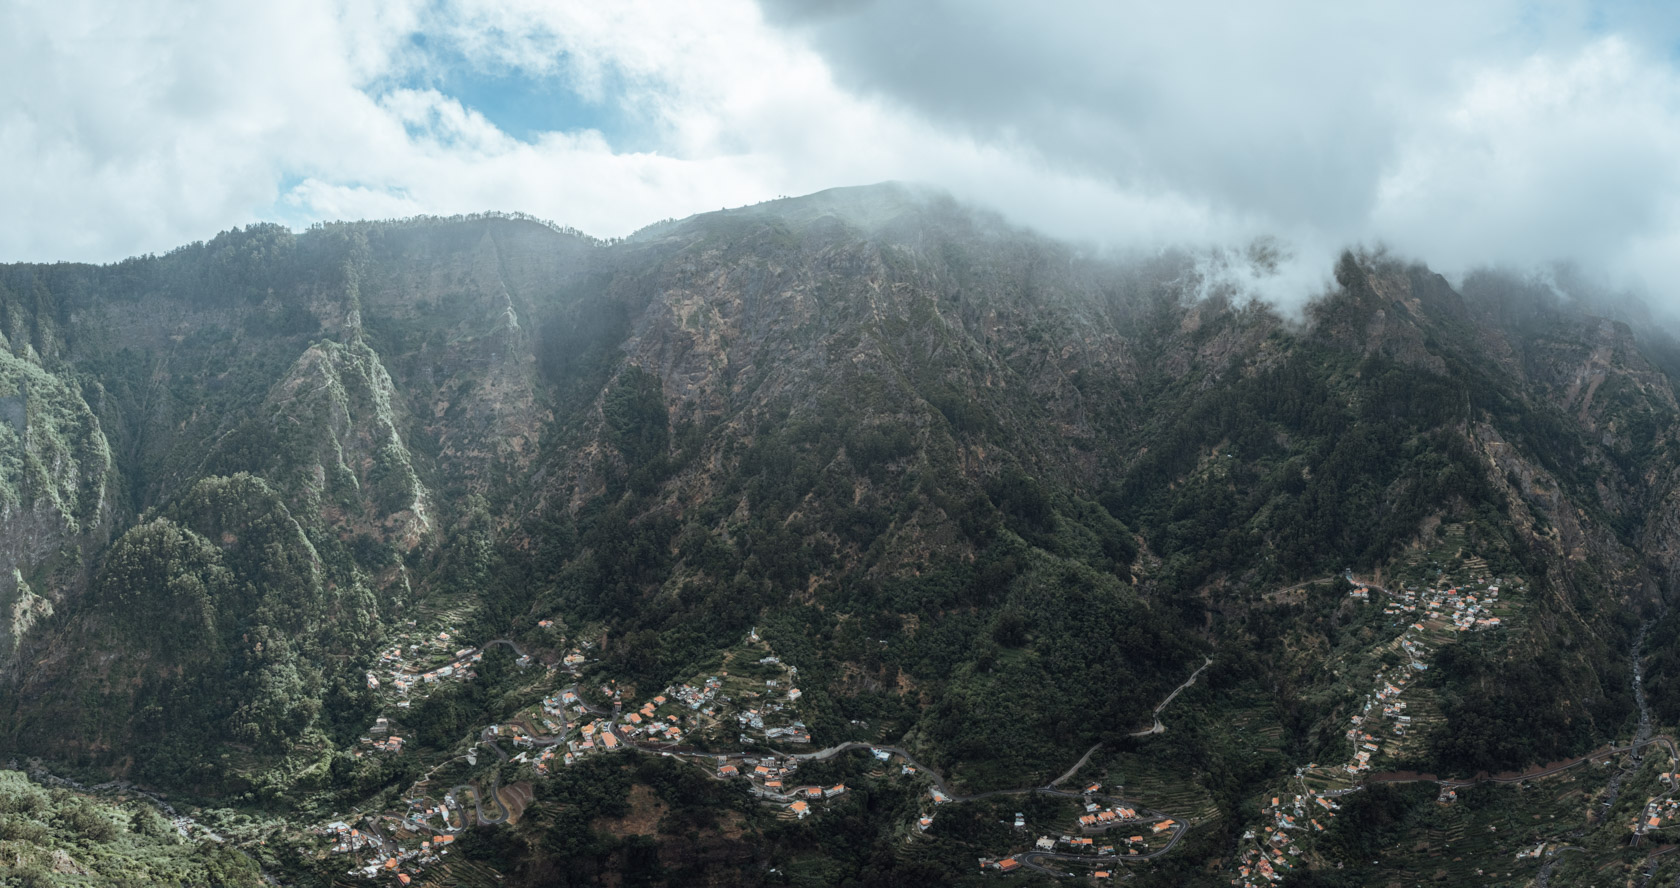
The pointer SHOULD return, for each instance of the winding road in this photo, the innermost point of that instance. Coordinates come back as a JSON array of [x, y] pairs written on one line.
[[1028, 858], [495, 787], [1158, 727], [486, 738], [505, 641], [1642, 739], [1035, 859], [1549, 770], [1082, 760]]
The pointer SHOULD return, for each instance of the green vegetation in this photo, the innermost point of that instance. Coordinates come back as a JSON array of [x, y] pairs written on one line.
[[52, 838], [995, 499], [226, 619]]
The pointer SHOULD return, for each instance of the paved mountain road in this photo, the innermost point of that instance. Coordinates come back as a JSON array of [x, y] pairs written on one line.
[[488, 739], [1158, 728], [1033, 858]]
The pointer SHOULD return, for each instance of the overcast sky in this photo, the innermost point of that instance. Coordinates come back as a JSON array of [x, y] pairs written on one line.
[[1459, 133]]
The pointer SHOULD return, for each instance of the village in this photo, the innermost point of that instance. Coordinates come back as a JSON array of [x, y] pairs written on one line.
[[1430, 617], [739, 721], [1093, 845], [1659, 809], [754, 709]]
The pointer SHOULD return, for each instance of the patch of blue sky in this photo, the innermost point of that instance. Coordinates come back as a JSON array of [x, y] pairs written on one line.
[[1645, 21], [287, 212], [1650, 23], [522, 103]]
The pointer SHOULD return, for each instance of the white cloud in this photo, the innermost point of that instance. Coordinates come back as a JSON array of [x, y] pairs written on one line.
[[1553, 158], [1500, 132], [1506, 133]]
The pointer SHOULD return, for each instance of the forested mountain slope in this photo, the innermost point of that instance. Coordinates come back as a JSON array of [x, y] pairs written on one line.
[[995, 496]]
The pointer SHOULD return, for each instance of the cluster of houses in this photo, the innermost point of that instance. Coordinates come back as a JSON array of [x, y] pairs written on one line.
[[412, 860], [1013, 863], [793, 733], [404, 675], [1365, 743], [391, 745], [410, 842], [754, 720], [645, 723], [1096, 820], [1088, 845], [572, 658], [575, 657], [769, 774], [757, 720], [1464, 610], [1276, 851], [596, 736], [411, 839], [1003, 864], [562, 728], [377, 739], [801, 807], [418, 816], [347, 839], [774, 719], [592, 737], [1260, 865], [697, 698], [1289, 821], [547, 719], [557, 703], [1472, 612], [1660, 810], [1097, 817], [667, 719]]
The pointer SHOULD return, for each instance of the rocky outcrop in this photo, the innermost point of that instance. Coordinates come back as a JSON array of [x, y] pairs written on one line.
[[342, 456]]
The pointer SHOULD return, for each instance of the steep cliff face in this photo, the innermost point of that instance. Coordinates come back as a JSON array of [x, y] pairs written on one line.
[[452, 313], [264, 352], [328, 433], [58, 495], [944, 459]]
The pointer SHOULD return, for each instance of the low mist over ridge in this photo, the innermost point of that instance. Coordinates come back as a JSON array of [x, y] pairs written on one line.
[[1506, 134]]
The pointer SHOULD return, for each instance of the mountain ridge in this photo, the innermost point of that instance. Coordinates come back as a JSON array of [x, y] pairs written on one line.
[[996, 495]]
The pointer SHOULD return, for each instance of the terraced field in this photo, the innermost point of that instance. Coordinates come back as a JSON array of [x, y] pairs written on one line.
[[1401, 751], [1254, 723], [1177, 793]]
